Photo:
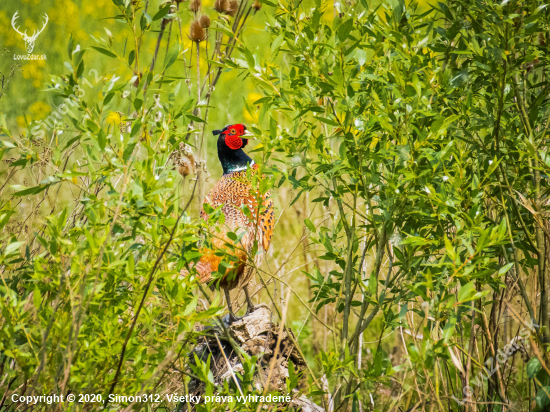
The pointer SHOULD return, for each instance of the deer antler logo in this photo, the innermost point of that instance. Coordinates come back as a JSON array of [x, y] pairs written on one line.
[[29, 40]]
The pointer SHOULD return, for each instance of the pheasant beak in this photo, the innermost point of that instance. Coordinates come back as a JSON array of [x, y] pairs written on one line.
[[248, 135]]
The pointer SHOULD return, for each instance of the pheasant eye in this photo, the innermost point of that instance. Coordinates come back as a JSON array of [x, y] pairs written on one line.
[[232, 131]]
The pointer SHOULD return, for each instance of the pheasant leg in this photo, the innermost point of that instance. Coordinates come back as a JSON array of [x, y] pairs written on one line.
[[232, 317], [250, 306]]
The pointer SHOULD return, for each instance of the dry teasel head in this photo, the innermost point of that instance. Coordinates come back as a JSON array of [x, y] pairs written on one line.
[[195, 5], [220, 6], [257, 5], [205, 22], [196, 32], [232, 6]]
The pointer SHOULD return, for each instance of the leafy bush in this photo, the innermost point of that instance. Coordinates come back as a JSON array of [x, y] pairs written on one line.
[[92, 301], [425, 130], [417, 132]]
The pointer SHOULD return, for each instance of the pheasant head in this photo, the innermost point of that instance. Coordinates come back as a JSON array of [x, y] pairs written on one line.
[[231, 140]]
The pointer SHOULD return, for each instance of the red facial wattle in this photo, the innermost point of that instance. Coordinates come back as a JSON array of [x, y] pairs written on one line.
[[233, 136], [233, 141]]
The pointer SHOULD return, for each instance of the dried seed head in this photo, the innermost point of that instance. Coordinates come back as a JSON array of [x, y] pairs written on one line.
[[184, 159], [186, 167], [220, 6], [257, 5], [232, 7], [197, 33], [205, 21], [195, 5]]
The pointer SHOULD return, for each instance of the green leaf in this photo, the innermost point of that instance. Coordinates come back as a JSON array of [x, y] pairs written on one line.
[[505, 269], [128, 151], [345, 29], [249, 58], [402, 311], [272, 128], [104, 51], [326, 120], [13, 248], [225, 30], [361, 56], [195, 118], [171, 56], [70, 47], [31, 190], [8, 144], [77, 58], [161, 13], [135, 127], [448, 331], [310, 225], [131, 57], [102, 140], [145, 21], [80, 69], [466, 292], [108, 98], [543, 397], [533, 367], [277, 43], [21, 162], [449, 248], [37, 298], [71, 141], [138, 103]]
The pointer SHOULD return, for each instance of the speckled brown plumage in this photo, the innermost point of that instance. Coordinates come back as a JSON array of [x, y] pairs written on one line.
[[231, 192]]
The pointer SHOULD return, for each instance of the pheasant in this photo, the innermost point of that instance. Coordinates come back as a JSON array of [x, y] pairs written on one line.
[[232, 192]]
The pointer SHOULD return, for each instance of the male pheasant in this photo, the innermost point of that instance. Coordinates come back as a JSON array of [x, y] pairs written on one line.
[[232, 192]]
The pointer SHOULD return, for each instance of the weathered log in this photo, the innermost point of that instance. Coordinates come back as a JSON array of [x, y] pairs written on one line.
[[258, 336]]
